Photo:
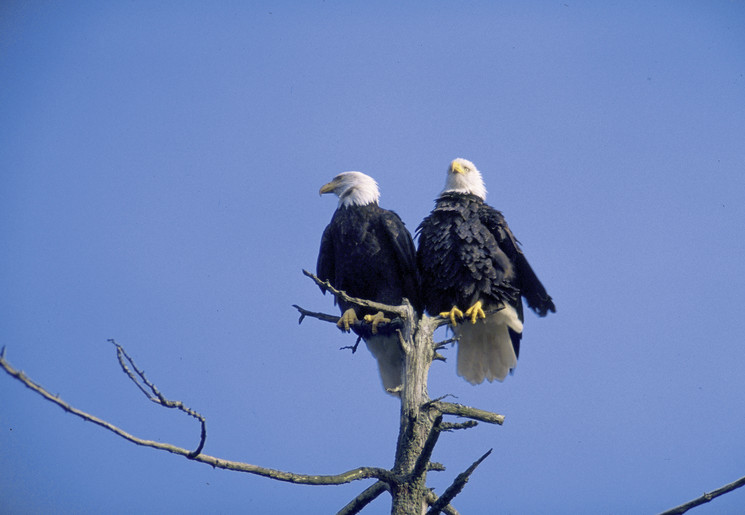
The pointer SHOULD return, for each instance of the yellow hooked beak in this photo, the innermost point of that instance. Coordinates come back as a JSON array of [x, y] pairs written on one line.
[[328, 188], [457, 167]]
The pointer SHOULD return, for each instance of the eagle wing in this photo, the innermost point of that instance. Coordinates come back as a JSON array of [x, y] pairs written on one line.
[[526, 280], [405, 255], [325, 267]]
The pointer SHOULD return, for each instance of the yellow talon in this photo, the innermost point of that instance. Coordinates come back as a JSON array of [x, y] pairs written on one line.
[[349, 318], [376, 319], [455, 312], [475, 312]]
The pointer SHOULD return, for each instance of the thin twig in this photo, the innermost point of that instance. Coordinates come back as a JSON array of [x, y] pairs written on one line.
[[443, 343], [455, 488], [320, 316], [353, 348], [705, 498], [290, 477], [155, 395], [366, 497]]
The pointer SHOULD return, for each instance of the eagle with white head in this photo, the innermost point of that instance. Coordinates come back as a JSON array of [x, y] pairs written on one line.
[[472, 267], [367, 252]]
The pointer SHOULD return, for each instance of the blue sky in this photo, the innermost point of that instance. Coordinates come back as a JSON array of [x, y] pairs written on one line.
[[160, 171]]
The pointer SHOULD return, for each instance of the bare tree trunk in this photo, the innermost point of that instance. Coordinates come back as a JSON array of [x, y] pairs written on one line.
[[418, 424]]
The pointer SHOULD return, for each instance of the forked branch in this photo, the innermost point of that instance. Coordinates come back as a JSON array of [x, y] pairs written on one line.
[[152, 393], [346, 477]]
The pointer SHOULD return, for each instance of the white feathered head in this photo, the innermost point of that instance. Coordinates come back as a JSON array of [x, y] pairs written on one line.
[[353, 189], [464, 177]]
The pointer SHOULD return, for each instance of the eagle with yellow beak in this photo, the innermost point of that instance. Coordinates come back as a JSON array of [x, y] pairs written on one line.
[[367, 252], [473, 272]]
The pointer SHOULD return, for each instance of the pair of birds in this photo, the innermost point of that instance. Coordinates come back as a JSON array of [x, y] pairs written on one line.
[[468, 268]]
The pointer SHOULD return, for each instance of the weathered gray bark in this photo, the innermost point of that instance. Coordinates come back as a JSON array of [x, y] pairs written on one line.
[[418, 430]]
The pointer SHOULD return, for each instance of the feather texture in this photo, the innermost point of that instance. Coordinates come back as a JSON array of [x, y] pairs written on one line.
[[485, 349], [387, 351], [368, 252], [467, 254]]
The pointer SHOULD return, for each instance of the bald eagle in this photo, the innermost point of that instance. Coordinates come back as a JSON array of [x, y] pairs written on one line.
[[469, 260], [368, 252]]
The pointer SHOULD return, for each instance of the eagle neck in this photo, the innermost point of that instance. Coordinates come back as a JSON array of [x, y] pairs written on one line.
[[460, 197]]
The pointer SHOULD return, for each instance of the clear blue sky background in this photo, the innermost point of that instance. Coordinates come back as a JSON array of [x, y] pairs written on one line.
[[159, 173]]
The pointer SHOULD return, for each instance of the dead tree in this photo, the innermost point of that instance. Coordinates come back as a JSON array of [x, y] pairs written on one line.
[[420, 427], [421, 417], [422, 422]]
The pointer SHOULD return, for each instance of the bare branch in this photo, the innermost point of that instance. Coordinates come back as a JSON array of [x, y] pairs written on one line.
[[443, 343], [360, 327], [290, 477], [429, 445], [366, 497], [456, 487], [320, 316], [432, 499], [705, 498], [447, 426], [155, 395], [450, 408], [401, 311]]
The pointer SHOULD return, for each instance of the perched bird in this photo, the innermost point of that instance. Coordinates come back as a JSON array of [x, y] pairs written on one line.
[[367, 252], [469, 260]]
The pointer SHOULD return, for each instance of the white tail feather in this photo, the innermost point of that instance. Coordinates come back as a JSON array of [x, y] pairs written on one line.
[[485, 348], [387, 351]]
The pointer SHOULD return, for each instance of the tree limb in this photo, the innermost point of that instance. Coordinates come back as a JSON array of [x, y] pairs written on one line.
[[450, 408], [306, 479], [366, 497], [420, 467], [448, 510], [456, 487], [448, 426], [401, 311], [443, 343], [320, 316], [705, 498], [360, 327]]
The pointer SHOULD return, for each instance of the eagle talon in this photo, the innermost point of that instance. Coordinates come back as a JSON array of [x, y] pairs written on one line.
[[452, 314], [349, 318], [376, 319], [475, 312]]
